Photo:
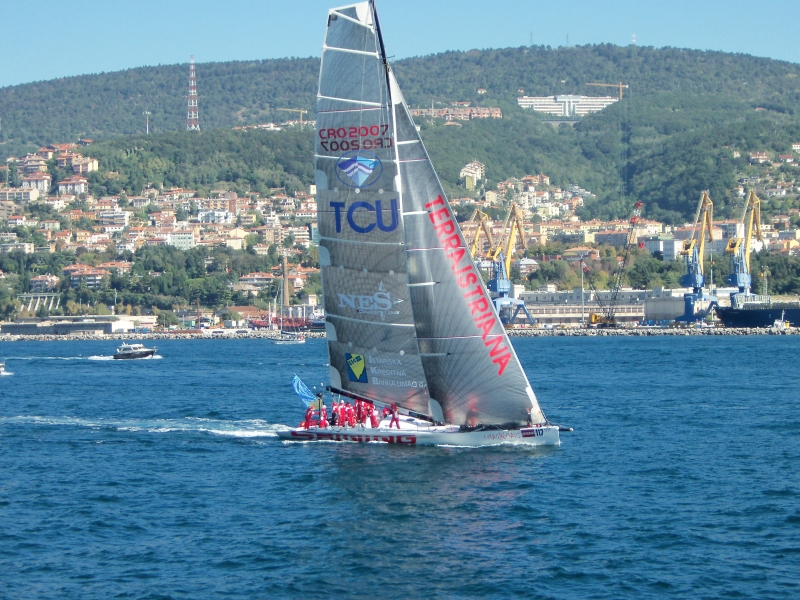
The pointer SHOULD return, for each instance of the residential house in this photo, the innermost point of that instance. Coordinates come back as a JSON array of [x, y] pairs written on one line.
[[43, 283], [20, 195], [73, 185], [758, 157], [90, 277], [39, 181], [121, 267], [50, 225], [257, 279]]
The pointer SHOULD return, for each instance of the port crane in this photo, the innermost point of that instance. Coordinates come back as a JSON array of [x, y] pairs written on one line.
[[482, 225], [499, 284], [693, 252], [739, 248], [607, 315], [302, 111], [619, 85]]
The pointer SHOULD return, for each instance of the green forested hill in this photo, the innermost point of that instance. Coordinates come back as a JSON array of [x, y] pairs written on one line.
[[672, 136], [234, 93]]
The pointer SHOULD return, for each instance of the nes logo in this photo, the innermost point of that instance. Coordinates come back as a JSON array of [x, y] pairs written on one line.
[[380, 303], [356, 367], [358, 169]]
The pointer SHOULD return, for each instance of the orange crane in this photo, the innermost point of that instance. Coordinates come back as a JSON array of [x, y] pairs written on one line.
[[619, 85]]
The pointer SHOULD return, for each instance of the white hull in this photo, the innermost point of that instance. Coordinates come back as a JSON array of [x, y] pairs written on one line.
[[545, 435]]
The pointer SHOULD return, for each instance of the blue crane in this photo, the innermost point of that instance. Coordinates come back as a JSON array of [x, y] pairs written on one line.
[[693, 252]]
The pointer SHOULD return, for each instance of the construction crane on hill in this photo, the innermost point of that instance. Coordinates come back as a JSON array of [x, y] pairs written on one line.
[[739, 248], [302, 111], [607, 315], [619, 85], [693, 252], [499, 284]]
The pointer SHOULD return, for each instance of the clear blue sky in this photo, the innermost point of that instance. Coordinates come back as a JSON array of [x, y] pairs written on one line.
[[54, 39]]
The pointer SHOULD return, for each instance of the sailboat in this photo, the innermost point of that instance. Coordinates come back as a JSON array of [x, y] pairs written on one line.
[[408, 320], [285, 337]]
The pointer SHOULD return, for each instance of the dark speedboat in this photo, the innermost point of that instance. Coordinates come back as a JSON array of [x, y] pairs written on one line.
[[130, 351]]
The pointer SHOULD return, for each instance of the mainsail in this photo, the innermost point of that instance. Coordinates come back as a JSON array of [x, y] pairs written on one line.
[[408, 317]]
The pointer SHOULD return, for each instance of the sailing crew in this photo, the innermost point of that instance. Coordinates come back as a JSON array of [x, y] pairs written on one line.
[[372, 418], [359, 411], [334, 413], [351, 415], [395, 418], [309, 417], [323, 412]]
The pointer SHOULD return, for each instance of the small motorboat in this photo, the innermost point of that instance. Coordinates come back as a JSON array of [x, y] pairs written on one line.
[[130, 351]]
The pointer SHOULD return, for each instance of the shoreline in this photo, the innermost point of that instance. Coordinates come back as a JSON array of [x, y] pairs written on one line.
[[625, 332]]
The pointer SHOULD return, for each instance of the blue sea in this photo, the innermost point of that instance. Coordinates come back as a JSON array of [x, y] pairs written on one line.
[[163, 478]]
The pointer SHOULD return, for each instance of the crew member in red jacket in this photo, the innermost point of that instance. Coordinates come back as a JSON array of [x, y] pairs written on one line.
[[323, 416], [372, 418], [395, 419], [309, 418]]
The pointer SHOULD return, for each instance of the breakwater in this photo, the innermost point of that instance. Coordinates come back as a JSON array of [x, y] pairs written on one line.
[[622, 332]]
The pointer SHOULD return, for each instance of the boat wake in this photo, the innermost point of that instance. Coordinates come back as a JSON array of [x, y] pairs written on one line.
[[95, 357], [155, 356], [249, 428]]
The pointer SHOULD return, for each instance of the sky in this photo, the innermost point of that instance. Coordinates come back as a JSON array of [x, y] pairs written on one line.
[[112, 35]]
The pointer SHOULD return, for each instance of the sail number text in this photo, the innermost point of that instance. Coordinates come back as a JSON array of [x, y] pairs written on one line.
[[344, 139]]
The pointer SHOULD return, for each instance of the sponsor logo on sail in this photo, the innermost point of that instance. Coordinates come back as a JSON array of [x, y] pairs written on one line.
[[477, 301], [356, 367], [358, 169], [380, 303], [363, 217]]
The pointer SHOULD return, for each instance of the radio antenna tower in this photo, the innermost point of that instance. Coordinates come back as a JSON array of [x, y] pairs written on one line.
[[193, 115]]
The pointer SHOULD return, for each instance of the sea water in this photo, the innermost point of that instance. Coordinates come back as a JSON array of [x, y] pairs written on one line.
[[164, 479]]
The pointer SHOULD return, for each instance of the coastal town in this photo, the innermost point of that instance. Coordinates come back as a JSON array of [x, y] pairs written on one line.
[[51, 210]]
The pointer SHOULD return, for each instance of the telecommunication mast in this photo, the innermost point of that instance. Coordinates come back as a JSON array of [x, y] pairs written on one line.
[[193, 114]]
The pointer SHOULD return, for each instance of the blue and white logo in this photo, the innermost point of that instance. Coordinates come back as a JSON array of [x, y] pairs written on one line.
[[358, 168]]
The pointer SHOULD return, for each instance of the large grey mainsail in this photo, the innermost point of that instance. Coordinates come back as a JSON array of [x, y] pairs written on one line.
[[409, 319], [369, 324]]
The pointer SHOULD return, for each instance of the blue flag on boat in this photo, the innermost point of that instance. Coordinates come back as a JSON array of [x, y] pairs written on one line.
[[301, 389]]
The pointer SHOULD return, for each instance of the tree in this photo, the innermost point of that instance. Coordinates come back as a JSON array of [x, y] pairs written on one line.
[[167, 318]]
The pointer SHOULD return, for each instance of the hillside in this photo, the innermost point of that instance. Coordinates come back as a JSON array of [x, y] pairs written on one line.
[[234, 93], [672, 136]]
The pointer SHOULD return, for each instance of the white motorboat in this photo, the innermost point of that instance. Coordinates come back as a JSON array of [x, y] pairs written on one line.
[[132, 351], [408, 320]]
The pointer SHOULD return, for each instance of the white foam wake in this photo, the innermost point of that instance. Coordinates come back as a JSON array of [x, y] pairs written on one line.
[[242, 428]]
